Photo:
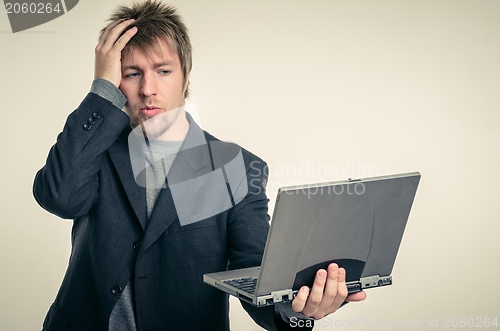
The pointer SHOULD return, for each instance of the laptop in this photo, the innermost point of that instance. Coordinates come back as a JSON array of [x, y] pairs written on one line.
[[356, 223]]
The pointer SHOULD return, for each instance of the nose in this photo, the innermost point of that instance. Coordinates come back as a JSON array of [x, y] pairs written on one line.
[[148, 85]]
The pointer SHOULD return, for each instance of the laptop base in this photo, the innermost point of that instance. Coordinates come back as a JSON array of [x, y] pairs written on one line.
[[244, 288]]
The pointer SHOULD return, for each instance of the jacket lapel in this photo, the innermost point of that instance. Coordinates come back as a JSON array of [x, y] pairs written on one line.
[[193, 160], [119, 153]]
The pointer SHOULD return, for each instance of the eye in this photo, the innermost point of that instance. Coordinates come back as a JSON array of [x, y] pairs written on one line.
[[164, 72], [131, 75]]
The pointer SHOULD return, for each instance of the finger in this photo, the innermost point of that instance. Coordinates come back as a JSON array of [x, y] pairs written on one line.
[[300, 300], [104, 35], [124, 39], [341, 290], [316, 294], [358, 296], [114, 34], [330, 291]]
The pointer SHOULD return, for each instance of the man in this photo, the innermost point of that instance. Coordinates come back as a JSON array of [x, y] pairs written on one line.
[[141, 238]]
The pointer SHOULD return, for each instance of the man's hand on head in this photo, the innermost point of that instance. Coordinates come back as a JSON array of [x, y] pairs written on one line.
[[328, 292], [108, 51]]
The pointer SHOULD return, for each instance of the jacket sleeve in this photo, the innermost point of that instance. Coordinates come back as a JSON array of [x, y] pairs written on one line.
[[67, 185], [248, 229]]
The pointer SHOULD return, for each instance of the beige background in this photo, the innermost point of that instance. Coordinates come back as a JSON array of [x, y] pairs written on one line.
[[322, 90]]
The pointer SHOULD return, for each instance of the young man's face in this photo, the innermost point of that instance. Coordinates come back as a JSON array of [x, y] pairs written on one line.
[[154, 86]]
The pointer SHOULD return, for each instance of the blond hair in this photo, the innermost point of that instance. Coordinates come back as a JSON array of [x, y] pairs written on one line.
[[156, 20]]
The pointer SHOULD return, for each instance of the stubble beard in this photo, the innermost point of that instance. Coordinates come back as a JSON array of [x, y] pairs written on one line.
[[154, 127]]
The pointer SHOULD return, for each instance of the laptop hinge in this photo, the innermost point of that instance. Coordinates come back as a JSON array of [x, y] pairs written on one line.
[[374, 281], [282, 296]]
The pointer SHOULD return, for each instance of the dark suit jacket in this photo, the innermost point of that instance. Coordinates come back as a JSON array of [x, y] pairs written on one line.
[[88, 178]]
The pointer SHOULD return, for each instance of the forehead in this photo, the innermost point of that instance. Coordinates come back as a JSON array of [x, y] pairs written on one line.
[[161, 51]]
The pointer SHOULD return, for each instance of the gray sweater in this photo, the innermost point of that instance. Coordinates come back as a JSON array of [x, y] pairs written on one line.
[[159, 156]]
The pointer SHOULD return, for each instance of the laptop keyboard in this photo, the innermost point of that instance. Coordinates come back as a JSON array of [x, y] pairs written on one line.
[[245, 284]]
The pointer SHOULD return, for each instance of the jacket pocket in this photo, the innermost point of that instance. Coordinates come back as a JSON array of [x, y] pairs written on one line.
[[56, 320]]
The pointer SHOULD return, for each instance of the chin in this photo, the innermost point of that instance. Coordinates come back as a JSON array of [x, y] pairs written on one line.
[[154, 128]]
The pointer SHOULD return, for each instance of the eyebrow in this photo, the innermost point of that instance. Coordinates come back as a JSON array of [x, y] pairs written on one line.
[[155, 66]]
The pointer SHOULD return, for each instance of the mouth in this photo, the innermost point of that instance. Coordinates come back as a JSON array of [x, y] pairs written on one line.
[[150, 111]]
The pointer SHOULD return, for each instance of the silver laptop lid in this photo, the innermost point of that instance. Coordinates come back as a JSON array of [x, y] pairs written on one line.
[[359, 224]]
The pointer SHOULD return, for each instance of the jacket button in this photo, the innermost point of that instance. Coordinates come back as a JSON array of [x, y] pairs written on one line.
[[137, 245], [87, 126], [96, 115], [116, 290], [91, 121]]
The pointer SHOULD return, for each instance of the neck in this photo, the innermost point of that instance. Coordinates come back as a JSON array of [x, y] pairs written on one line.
[[178, 129]]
